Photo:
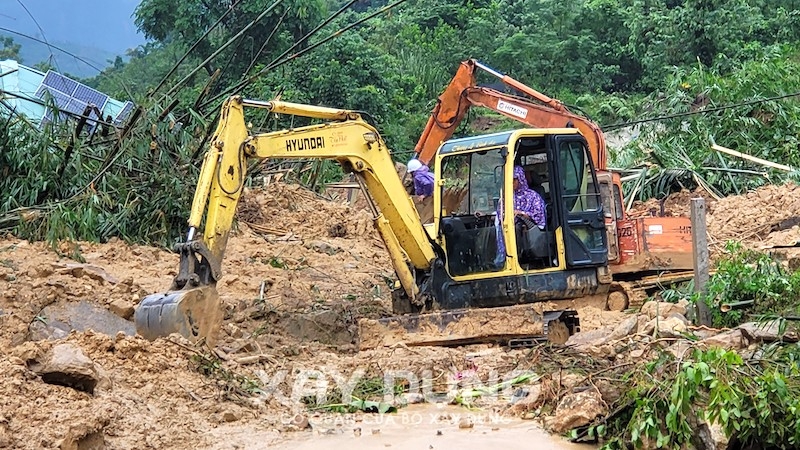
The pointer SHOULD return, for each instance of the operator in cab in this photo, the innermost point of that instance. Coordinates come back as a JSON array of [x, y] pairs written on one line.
[[528, 204], [423, 179], [529, 207]]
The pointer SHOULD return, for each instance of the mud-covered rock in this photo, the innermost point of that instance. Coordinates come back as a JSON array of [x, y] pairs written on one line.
[[66, 365], [530, 401], [729, 340], [78, 270], [765, 332], [673, 326], [56, 321], [122, 308], [625, 328], [578, 409], [664, 309], [595, 337], [466, 423]]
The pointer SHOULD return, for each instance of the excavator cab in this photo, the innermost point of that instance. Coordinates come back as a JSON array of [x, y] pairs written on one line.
[[477, 238], [496, 278]]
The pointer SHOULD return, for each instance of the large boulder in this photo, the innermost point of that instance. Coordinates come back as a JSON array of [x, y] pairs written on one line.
[[769, 331], [728, 340], [56, 321], [625, 328], [595, 337], [66, 365], [578, 409], [673, 326], [664, 309]]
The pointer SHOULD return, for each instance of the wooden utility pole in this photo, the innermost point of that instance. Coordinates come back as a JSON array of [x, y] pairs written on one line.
[[701, 258]]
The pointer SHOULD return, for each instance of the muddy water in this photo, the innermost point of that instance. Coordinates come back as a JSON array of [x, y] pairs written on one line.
[[421, 427]]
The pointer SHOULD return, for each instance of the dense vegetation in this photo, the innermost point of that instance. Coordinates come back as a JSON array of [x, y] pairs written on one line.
[[756, 285], [670, 402]]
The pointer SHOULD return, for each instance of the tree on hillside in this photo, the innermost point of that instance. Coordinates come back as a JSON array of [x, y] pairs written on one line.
[[721, 33], [10, 50], [185, 22]]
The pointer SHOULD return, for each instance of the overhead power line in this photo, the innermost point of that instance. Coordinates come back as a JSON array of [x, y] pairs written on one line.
[[53, 46], [115, 78], [49, 49], [700, 111], [193, 47]]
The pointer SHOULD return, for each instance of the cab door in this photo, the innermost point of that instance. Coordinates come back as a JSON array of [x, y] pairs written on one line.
[[580, 204], [612, 207]]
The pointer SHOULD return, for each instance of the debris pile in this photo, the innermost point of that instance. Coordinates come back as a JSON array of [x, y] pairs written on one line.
[[674, 205], [767, 216]]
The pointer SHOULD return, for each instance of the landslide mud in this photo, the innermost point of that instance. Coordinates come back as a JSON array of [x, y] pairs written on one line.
[[299, 273]]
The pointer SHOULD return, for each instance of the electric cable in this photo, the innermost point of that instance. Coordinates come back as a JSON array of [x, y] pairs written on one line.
[[90, 64], [49, 49], [193, 47], [241, 85], [701, 111]]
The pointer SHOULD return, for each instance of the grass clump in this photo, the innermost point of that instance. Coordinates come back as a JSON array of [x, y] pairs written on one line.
[[747, 275]]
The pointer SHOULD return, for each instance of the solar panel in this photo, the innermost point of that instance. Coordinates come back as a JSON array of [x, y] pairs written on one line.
[[73, 97], [76, 106], [123, 114], [60, 99], [48, 118], [59, 82], [89, 95]]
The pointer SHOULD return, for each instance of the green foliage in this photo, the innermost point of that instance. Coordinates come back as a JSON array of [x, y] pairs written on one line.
[[754, 401], [745, 275], [618, 60], [9, 49], [143, 196], [680, 148], [367, 396], [234, 385], [719, 33]]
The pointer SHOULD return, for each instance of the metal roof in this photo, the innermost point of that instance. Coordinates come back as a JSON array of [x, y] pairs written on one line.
[[474, 142]]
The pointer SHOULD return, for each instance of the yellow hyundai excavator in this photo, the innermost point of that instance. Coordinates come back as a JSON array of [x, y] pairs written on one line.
[[456, 284]]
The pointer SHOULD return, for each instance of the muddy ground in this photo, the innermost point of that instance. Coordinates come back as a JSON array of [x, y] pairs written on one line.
[[300, 271]]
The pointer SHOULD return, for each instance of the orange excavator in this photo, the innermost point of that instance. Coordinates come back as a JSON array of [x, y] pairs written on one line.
[[643, 253]]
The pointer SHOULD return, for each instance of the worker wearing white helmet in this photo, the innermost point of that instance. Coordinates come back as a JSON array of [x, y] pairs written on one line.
[[423, 179]]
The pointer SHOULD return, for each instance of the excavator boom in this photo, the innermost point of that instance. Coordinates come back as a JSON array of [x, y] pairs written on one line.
[[538, 111], [191, 307]]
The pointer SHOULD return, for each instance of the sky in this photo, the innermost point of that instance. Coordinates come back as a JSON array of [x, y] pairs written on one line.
[[105, 25]]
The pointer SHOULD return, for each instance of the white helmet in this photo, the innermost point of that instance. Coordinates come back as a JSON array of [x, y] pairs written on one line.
[[414, 165]]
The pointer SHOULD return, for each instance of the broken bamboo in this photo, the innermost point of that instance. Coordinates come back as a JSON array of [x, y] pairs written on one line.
[[750, 158]]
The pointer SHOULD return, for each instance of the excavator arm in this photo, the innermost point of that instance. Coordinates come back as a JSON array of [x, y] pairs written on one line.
[[538, 111], [191, 307]]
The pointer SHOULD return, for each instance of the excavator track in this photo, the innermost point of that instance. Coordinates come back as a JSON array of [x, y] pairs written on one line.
[[633, 294], [502, 325]]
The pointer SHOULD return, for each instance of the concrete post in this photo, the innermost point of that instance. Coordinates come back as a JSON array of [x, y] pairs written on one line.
[[701, 257]]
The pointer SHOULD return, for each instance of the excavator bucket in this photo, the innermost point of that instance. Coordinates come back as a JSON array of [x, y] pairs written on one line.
[[517, 325], [193, 313]]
